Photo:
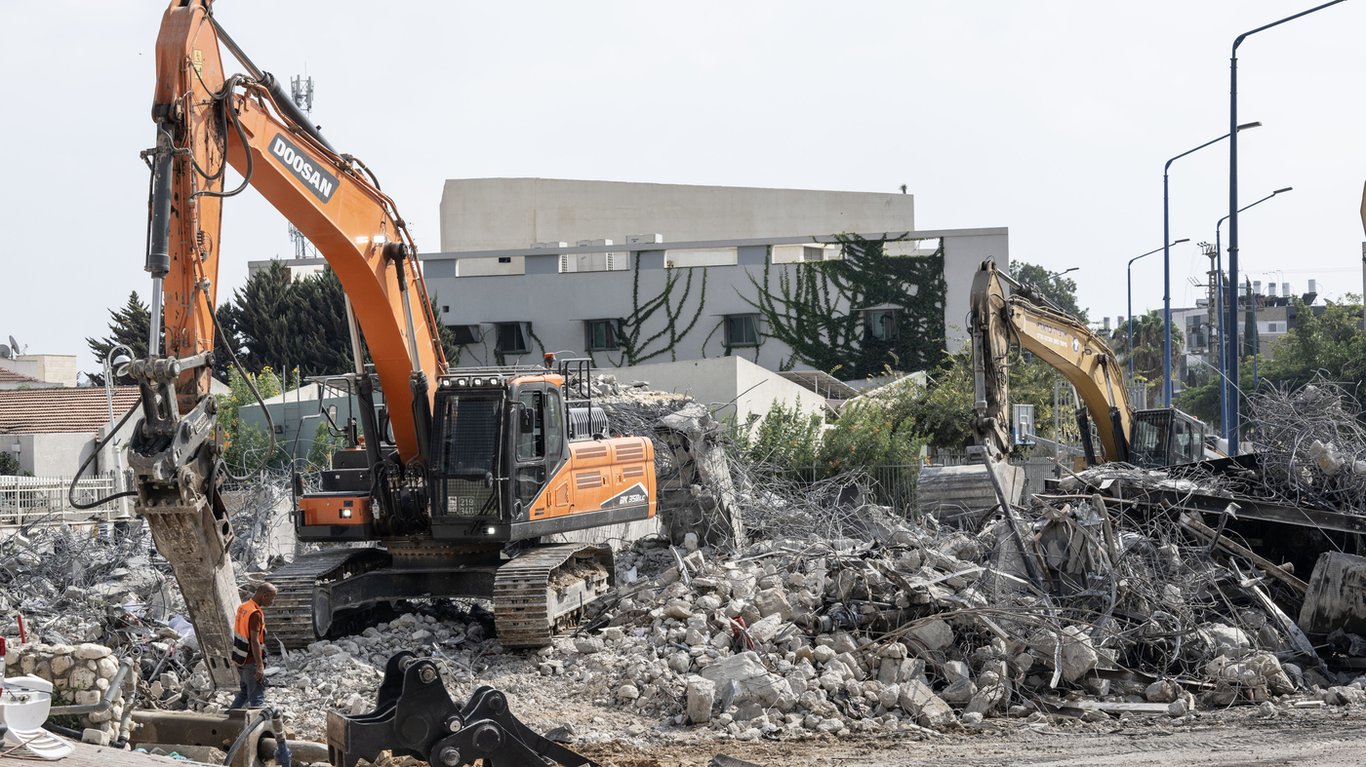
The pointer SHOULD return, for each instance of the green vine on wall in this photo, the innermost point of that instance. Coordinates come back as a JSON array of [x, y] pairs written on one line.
[[635, 345], [817, 309]]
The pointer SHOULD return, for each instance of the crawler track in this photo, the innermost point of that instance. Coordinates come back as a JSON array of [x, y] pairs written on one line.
[[547, 588]]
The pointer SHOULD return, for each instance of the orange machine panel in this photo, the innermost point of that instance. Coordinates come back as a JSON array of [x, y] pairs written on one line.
[[601, 475], [335, 509]]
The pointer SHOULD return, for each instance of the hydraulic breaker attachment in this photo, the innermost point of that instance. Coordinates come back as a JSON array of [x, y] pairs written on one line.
[[414, 716]]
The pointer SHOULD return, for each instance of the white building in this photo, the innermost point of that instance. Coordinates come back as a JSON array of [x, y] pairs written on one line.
[[636, 273]]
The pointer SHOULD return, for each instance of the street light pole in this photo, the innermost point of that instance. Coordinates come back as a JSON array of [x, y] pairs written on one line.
[[1232, 304], [1219, 312], [1167, 266], [114, 364], [1129, 276]]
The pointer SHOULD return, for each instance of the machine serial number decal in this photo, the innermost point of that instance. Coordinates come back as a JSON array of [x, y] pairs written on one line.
[[298, 162], [633, 495]]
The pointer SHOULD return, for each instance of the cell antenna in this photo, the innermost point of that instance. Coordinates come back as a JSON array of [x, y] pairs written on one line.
[[301, 91]]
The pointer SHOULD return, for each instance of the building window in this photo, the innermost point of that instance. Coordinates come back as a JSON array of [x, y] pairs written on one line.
[[879, 325], [465, 335], [742, 330], [512, 338], [603, 335]]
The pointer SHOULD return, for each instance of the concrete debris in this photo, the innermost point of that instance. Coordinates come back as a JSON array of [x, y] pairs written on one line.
[[786, 608]]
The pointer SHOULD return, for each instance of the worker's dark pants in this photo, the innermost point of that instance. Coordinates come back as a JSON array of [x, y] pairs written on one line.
[[251, 694]]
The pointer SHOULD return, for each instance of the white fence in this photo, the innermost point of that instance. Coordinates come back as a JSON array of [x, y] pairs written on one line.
[[27, 501]]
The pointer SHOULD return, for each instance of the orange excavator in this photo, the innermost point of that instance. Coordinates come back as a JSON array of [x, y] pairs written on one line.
[[452, 477]]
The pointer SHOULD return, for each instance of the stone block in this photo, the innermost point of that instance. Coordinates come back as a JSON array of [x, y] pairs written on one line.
[[773, 602], [935, 635], [92, 651], [928, 709], [701, 696]]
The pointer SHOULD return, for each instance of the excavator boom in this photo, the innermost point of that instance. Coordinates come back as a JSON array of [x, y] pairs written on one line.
[[474, 468], [1149, 438], [206, 122]]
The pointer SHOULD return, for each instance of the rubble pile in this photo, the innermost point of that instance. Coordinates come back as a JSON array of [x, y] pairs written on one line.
[[1311, 445], [787, 608], [77, 586], [921, 627], [84, 675]]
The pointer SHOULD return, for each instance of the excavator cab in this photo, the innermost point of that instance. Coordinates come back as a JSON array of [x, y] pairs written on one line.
[[1166, 437]]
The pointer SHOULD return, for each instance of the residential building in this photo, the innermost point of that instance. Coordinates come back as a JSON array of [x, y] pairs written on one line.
[[51, 431], [37, 370]]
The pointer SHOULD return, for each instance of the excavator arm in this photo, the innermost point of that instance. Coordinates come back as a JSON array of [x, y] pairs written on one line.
[[206, 122], [1057, 338]]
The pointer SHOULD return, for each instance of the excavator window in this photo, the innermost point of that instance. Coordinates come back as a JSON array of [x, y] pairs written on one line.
[[1148, 444], [530, 435], [531, 443]]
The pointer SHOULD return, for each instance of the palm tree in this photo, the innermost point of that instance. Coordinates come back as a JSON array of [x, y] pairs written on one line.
[[1149, 340]]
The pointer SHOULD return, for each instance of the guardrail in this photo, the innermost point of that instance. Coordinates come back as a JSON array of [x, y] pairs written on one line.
[[40, 501]]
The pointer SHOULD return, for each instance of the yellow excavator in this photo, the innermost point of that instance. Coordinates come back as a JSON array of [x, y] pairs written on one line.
[[1147, 438]]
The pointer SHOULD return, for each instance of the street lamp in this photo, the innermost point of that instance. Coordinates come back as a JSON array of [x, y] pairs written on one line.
[[1231, 305], [115, 365], [1219, 311], [1059, 274], [1129, 276], [1167, 267]]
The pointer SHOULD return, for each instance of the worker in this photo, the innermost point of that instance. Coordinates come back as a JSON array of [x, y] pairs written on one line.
[[249, 647]]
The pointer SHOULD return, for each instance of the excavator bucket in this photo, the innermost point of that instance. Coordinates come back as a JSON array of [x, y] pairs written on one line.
[[961, 495], [415, 716]]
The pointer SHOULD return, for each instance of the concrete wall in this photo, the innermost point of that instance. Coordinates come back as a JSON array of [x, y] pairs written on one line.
[[51, 455], [504, 213], [731, 387], [56, 369]]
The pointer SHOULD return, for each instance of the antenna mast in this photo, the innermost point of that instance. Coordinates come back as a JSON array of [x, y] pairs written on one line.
[[301, 90]]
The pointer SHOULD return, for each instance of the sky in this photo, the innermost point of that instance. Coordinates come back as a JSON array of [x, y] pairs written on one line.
[[1053, 118]]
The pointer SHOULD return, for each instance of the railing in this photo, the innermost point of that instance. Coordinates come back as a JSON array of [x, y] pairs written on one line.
[[39, 501]]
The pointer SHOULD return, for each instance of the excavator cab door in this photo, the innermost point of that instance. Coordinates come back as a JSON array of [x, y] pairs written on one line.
[[538, 444], [1188, 439]]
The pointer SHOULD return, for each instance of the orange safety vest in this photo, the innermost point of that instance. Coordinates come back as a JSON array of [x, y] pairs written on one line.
[[241, 628]]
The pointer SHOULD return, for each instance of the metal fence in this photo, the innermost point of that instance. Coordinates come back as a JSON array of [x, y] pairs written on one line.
[[38, 501], [894, 485]]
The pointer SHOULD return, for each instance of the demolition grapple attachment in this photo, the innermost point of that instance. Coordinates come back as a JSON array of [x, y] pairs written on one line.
[[414, 716]]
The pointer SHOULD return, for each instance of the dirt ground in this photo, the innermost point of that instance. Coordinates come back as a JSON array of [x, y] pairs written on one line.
[[1328, 737]]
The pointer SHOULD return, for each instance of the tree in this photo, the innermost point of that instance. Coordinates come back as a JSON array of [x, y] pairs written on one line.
[[1330, 341], [128, 326], [859, 315], [9, 465], [247, 447], [280, 322], [1149, 346], [944, 413], [1060, 290]]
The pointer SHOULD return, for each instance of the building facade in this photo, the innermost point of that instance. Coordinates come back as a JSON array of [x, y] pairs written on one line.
[[646, 273]]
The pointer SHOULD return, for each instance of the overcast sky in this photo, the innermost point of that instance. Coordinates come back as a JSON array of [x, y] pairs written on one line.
[[1051, 118]]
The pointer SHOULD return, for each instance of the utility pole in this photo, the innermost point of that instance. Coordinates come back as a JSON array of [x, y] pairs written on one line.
[[1211, 334]]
